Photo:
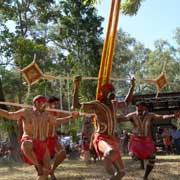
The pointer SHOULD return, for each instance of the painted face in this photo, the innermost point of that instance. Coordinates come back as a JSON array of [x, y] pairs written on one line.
[[141, 110], [40, 104], [107, 92], [54, 105], [111, 94]]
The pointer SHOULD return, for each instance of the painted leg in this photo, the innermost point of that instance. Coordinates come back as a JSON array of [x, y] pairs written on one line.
[[120, 171], [27, 148], [116, 169], [141, 163], [109, 166], [149, 168], [106, 149], [61, 155], [46, 163]]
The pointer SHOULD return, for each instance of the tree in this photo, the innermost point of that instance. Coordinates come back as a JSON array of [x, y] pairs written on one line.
[[78, 35], [19, 46], [131, 7]]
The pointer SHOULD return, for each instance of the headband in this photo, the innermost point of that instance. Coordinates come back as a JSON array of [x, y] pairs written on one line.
[[102, 89], [141, 107], [39, 99]]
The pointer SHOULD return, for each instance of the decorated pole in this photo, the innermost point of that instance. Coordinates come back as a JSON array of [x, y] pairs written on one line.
[[109, 45]]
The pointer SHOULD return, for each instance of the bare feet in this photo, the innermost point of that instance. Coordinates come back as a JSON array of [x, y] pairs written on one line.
[[118, 176], [53, 178]]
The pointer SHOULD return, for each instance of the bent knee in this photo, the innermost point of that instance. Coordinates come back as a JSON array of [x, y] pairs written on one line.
[[27, 145], [62, 153]]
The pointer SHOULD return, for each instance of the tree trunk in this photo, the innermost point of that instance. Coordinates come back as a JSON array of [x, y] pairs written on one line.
[[2, 96], [14, 145]]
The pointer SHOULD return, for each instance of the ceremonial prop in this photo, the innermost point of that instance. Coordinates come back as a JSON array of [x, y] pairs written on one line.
[[109, 45]]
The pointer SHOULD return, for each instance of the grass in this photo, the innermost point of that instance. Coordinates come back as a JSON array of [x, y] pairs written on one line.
[[167, 168]]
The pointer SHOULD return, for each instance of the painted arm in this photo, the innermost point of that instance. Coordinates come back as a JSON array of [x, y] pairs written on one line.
[[128, 117], [76, 103], [166, 117], [74, 115], [122, 119], [87, 106], [11, 115], [128, 98], [88, 115]]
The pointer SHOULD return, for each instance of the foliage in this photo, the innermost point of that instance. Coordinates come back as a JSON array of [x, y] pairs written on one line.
[[92, 1], [78, 34], [131, 7], [66, 38]]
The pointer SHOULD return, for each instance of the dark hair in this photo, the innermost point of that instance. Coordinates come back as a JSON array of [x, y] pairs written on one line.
[[52, 99], [141, 103]]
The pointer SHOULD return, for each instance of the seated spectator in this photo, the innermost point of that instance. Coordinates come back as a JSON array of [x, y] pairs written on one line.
[[167, 141], [175, 134]]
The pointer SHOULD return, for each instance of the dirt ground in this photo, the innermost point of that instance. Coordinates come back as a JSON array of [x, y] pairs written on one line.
[[167, 168]]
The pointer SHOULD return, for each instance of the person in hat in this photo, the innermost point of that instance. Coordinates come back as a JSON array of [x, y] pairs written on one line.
[[104, 140], [35, 126]]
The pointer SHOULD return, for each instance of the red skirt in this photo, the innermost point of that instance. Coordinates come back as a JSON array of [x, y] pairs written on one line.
[[111, 141], [39, 148], [142, 147], [51, 143]]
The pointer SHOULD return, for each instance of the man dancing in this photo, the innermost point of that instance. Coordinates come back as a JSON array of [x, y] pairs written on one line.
[[141, 143], [35, 127], [54, 147], [104, 141]]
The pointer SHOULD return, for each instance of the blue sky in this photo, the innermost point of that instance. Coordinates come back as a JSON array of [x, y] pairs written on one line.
[[156, 19]]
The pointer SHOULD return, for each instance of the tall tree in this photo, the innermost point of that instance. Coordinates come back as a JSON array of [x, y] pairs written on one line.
[[78, 35], [31, 21]]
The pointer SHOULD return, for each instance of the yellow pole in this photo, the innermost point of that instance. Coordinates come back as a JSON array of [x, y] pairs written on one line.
[[112, 43], [109, 45], [104, 52]]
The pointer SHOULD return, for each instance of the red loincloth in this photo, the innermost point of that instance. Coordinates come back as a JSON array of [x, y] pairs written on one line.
[[51, 143], [142, 147], [39, 148], [111, 141]]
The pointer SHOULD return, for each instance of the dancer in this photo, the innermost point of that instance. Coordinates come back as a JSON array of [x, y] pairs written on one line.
[[142, 146], [104, 141], [35, 124], [87, 131], [54, 146]]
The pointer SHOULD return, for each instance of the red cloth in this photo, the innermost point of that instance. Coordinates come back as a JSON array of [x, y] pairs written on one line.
[[102, 89], [167, 141], [142, 147], [111, 141], [51, 142], [39, 148]]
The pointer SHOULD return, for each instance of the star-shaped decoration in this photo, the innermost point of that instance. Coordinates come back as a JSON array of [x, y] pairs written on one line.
[[32, 73]]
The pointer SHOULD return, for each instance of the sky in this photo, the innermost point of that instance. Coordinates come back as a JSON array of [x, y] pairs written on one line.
[[156, 19]]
